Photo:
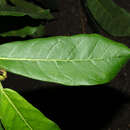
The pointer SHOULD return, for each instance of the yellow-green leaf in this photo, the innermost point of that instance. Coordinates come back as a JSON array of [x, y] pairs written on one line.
[[18, 114]]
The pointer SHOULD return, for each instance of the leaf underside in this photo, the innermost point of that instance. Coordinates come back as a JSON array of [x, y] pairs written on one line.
[[17, 114], [22, 8], [112, 18], [85, 59]]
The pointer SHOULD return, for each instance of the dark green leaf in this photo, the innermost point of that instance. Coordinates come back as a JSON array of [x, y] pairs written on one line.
[[23, 8], [26, 31], [75, 60], [112, 18], [17, 114]]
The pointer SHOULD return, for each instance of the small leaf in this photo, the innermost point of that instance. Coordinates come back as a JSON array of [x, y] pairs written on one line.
[[18, 114], [37, 31], [23, 8], [112, 18], [86, 59], [3, 74]]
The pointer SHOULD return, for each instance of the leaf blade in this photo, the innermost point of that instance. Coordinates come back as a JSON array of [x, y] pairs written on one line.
[[23, 114], [108, 14], [23, 8], [74, 60], [37, 31]]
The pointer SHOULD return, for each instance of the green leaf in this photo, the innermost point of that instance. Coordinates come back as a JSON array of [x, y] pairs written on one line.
[[37, 31], [112, 18], [18, 114], [23, 8], [86, 59]]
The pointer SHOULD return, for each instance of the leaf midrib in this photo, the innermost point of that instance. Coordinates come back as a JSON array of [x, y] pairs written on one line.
[[60, 60], [17, 111]]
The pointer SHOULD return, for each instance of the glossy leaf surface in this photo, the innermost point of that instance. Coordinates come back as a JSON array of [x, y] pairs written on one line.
[[22, 8], [26, 31], [112, 18], [86, 59], [18, 114]]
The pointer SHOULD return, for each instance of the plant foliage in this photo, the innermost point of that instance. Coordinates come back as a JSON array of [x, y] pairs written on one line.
[[85, 59], [22, 8], [76, 60], [37, 31], [17, 114], [112, 18]]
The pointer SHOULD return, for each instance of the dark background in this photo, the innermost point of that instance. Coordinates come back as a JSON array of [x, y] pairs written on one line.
[[104, 107]]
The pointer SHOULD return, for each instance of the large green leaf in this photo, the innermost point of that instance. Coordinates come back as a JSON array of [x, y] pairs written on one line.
[[111, 17], [37, 31], [17, 114], [86, 59], [23, 8]]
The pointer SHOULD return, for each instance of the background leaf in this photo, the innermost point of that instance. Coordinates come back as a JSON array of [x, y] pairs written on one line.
[[37, 31], [23, 8], [112, 18], [18, 114], [76, 60]]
